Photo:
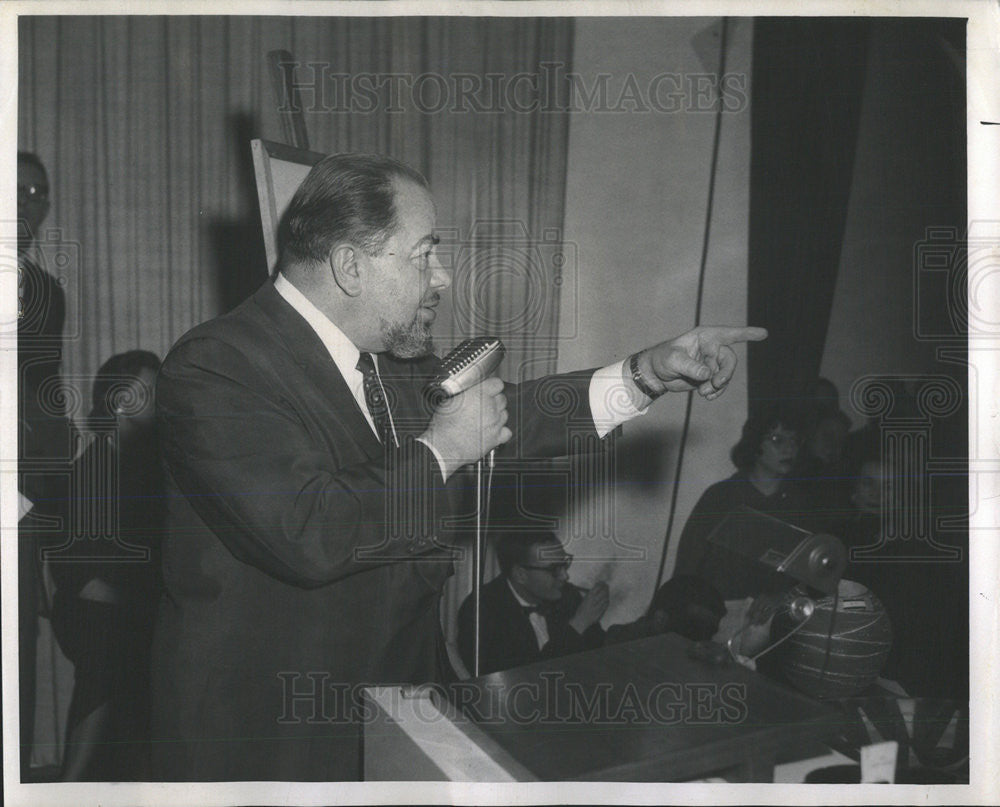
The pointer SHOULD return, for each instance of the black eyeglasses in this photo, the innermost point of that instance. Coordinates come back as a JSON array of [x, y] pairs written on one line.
[[553, 570]]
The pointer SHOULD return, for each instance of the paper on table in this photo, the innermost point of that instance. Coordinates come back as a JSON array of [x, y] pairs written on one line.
[[878, 762]]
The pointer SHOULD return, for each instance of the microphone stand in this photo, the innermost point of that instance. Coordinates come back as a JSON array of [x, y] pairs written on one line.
[[477, 559], [468, 364], [478, 551]]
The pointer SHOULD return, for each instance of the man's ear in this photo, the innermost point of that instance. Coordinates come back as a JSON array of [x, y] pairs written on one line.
[[516, 574], [343, 264]]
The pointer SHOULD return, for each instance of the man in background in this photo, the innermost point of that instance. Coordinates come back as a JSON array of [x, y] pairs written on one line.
[[45, 435], [530, 611]]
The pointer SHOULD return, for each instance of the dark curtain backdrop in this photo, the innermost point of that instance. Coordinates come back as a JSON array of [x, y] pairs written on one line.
[[145, 122], [808, 78]]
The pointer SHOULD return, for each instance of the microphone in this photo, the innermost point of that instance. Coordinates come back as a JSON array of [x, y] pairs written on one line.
[[468, 364]]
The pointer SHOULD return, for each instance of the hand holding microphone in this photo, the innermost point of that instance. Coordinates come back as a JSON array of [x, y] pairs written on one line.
[[469, 425], [471, 409]]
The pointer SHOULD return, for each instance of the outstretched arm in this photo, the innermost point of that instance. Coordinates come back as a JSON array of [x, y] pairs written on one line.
[[543, 410], [701, 359]]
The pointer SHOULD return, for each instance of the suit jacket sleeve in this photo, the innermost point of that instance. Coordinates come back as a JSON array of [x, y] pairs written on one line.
[[550, 416], [250, 469]]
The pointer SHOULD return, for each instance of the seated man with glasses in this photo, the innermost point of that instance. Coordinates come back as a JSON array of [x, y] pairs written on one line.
[[530, 611]]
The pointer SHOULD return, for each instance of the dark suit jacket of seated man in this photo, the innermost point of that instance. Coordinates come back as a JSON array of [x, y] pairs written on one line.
[[307, 480], [530, 611]]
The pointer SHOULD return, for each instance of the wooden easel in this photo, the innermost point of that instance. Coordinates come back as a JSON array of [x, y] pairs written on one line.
[[279, 168]]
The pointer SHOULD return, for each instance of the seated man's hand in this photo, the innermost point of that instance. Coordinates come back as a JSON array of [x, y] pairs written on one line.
[[700, 359], [591, 608]]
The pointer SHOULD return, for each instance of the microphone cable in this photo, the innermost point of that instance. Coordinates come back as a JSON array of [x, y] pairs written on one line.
[[483, 498], [710, 205]]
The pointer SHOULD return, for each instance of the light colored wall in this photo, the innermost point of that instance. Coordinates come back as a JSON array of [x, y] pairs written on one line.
[[636, 202]]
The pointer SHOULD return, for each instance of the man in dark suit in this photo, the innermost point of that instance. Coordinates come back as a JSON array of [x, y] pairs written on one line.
[[530, 611], [45, 436], [309, 476]]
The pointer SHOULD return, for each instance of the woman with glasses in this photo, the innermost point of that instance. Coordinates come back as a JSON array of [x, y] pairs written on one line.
[[764, 458]]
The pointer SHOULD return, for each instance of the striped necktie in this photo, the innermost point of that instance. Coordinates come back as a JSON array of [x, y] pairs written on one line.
[[375, 398]]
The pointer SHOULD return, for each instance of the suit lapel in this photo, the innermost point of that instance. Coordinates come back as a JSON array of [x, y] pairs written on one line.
[[403, 380], [309, 352]]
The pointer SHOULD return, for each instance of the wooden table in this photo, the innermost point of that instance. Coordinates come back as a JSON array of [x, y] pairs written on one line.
[[644, 711]]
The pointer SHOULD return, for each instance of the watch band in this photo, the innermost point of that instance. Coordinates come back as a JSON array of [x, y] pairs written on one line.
[[640, 382]]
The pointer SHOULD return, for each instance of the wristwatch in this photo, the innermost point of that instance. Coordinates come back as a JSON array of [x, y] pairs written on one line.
[[640, 382]]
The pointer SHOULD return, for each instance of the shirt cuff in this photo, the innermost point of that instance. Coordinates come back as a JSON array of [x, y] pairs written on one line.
[[437, 456], [610, 400]]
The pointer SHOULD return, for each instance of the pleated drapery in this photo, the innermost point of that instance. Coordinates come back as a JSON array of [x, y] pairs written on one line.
[[144, 124]]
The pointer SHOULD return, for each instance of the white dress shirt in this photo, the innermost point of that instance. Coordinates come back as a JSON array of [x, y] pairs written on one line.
[[538, 622], [610, 402]]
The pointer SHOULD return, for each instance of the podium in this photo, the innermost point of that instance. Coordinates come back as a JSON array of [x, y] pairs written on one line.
[[642, 711]]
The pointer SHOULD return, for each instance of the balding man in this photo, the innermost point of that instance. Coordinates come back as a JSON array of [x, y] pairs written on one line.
[[305, 556]]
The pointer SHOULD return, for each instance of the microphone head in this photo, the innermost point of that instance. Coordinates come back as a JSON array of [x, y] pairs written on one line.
[[467, 365]]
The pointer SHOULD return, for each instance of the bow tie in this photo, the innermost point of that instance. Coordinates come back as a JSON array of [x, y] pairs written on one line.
[[542, 609]]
